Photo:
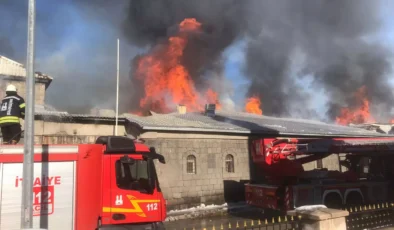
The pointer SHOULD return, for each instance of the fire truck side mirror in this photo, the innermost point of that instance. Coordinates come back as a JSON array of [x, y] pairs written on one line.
[[157, 156], [162, 159]]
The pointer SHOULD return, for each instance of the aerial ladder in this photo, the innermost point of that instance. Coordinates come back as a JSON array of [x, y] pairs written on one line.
[[280, 181]]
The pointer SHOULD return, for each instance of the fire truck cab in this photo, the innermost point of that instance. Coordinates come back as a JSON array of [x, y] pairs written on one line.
[[111, 184], [282, 183]]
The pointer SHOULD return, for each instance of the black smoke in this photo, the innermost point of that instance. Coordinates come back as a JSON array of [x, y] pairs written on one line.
[[150, 23], [6, 48], [332, 36]]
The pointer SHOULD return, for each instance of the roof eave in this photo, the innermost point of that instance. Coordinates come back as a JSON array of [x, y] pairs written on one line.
[[78, 119], [248, 132]]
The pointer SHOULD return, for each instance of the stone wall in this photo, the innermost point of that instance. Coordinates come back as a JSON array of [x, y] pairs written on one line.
[[64, 139], [64, 128], [21, 87], [71, 133], [211, 183]]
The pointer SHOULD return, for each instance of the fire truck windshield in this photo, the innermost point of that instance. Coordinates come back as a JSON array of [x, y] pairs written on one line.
[[133, 175]]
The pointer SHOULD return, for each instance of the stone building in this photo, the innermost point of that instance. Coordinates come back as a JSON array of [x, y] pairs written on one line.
[[53, 127], [208, 156], [12, 72]]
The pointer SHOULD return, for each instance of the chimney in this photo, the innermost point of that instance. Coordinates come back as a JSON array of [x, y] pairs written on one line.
[[181, 109], [210, 110]]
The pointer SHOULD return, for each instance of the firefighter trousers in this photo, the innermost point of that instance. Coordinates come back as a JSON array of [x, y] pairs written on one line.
[[11, 133]]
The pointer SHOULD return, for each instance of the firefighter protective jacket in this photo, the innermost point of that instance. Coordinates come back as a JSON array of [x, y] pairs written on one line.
[[12, 108]]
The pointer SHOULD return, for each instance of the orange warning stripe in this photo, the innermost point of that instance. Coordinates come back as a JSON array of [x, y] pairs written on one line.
[[134, 203]]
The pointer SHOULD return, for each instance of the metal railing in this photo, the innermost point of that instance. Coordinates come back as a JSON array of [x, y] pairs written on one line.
[[275, 223], [371, 216]]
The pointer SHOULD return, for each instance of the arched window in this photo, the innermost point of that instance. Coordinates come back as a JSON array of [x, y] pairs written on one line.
[[229, 163], [191, 164]]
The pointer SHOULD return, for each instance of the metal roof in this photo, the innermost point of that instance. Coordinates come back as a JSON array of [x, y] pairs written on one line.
[[47, 113], [377, 127], [244, 123], [44, 110]]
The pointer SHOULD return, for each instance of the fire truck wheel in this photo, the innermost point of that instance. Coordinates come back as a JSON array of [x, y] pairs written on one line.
[[98, 223], [354, 198], [159, 226], [333, 201]]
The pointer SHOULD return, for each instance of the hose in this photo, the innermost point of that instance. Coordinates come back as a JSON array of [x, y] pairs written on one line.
[[16, 136]]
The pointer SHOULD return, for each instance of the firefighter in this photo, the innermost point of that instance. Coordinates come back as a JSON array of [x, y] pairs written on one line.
[[12, 108]]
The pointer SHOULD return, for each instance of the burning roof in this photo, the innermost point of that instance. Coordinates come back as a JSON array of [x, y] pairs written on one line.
[[244, 124], [165, 79]]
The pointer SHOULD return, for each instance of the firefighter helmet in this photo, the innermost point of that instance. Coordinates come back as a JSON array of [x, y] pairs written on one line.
[[11, 88]]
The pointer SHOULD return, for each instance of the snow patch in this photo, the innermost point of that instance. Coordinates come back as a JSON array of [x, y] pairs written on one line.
[[201, 207], [310, 207]]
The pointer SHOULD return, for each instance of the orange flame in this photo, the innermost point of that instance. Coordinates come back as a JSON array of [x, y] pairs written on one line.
[[357, 115], [166, 81], [253, 105], [138, 113]]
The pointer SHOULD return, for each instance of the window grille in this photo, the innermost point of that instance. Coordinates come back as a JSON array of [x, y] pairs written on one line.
[[229, 163], [191, 164], [319, 164]]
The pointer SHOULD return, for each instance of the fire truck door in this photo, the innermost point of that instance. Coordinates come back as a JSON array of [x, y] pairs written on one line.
[[107, 191], [132, 195]]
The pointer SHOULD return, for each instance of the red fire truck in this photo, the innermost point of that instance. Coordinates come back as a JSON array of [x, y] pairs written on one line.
[[283, 184], [111, 184]]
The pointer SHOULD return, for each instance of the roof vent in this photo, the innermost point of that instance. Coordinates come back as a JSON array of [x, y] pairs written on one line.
[[181, 109], [210, 110]]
